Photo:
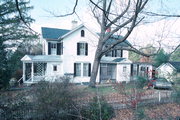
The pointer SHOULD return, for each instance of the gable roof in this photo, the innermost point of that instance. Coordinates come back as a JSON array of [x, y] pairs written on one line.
[[176, 65], [114, 38], [71, 31], [53, 33]]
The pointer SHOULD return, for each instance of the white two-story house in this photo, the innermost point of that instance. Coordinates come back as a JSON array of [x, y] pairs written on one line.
[[71, 52]]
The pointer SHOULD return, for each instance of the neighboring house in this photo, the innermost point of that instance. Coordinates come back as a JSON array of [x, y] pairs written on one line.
[[144, 69], [169, 70], [71, 52]]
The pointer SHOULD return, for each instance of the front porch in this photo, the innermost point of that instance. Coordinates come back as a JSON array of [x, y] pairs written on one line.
[[38, 68], [113, 69], [34, 71]]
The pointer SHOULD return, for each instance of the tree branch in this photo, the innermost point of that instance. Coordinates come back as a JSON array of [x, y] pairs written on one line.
[[174, 50], [118, 17], [22, 19], [158, 14], [108, 10], [68, 14], [97, 18], [133, 19]]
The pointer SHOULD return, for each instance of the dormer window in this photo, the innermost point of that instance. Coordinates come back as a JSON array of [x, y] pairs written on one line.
[[82, 48], [82, 33], [115, 53]]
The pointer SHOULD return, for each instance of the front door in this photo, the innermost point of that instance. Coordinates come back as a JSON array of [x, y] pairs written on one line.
[[28, 71]]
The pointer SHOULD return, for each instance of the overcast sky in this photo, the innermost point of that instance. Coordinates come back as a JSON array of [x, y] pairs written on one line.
[[141, 35]]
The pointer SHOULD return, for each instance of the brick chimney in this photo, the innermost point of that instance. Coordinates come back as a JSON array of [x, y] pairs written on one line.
[[108, 30], [74, 24]]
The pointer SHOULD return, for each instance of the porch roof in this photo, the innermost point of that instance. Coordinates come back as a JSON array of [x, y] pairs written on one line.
[[41, 58], [114, 60]]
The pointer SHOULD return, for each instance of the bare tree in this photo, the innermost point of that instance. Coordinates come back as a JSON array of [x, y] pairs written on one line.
[[127, 19], [123, 16]]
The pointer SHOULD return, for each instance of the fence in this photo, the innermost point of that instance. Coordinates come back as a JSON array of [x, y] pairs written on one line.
[[120, 101], [27, 111]]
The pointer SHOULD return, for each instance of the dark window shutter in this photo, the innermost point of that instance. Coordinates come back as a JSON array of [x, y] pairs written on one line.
[[58, 48], [115, 53], [61, 48], [49, 48], [86, 52], [78, 48], [121, 53], [89, 71], [137, 69], [74, 69]]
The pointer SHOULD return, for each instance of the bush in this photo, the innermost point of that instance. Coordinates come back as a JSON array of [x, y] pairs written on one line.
[[140, 114], [141, 82], [60, 101], [56, 101], [18, 74], [98, 108], [176, 95]]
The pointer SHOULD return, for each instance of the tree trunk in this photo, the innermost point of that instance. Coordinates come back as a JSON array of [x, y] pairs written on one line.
[[94, 71]]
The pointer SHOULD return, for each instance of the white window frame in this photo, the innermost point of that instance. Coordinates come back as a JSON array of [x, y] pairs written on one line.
[[53, 48], [82, 48], [84, 69], [78, 69]]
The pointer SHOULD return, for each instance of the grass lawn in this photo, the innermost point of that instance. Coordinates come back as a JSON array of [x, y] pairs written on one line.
[[105, 89], [100, 89]]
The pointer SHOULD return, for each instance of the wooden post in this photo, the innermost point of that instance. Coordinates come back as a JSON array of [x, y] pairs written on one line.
[[159, 96], [24, 71], [32, 72]]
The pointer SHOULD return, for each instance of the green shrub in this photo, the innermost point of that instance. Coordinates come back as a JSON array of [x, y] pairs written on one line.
[[141, 82], [56, 101], [176, 95], [98, 109], [140, 113]]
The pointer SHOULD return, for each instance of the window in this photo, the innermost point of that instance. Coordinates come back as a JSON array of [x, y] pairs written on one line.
[[82, 69], [39, 68], [115, 53], [85, 69], [82, 49], [55, 68], [142, 68], [82, 33], [55, 48], [124, 68], [77, 69]]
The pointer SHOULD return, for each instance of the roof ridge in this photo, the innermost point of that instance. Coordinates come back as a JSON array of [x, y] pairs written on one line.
[[55, 28]]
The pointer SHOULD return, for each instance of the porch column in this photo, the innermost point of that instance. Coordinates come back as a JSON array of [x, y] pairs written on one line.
[[24, 71], [32, 72]]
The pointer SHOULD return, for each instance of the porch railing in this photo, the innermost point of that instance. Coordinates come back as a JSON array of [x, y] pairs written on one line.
[[19, 81]]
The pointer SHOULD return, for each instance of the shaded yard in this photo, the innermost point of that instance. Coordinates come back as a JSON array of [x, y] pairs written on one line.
[[122, 103]]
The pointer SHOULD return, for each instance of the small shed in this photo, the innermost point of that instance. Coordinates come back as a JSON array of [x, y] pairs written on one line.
[[169, 70]]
